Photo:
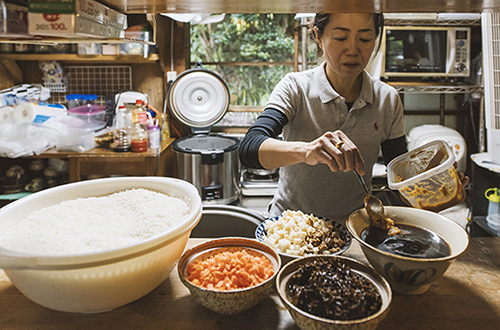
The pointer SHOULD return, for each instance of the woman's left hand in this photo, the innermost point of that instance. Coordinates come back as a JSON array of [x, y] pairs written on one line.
[[464, 179]]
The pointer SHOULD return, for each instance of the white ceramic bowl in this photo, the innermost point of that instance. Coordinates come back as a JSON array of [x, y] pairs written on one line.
[[411, 275], [233, 301], [97, 282], [307, 321]]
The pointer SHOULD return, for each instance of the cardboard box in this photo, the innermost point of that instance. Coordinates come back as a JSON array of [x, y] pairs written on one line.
[[69, 25], [15, 23], [87, 9]]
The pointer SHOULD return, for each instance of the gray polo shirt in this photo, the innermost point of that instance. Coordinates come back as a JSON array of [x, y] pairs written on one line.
[[313, 107]]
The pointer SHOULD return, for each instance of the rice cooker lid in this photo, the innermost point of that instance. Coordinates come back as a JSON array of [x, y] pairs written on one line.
[[203, 144], [199, 98]]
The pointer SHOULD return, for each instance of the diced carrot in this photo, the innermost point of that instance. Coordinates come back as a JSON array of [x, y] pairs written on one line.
[[230, 270]]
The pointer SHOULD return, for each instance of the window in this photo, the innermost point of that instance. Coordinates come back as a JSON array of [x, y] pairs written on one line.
[[251, 53]]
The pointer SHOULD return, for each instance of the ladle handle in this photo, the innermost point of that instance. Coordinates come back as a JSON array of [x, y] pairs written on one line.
[[362, 181]]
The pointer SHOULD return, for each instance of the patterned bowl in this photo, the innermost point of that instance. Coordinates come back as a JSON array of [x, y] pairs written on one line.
[[410, 275], [233, 301], [260, 234], [307, 321]]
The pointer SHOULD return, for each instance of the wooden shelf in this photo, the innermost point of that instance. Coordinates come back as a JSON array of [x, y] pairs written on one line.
[[81, 58], [301, 6]]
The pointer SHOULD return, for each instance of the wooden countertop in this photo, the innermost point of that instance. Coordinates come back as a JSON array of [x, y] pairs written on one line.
[[466, 297]]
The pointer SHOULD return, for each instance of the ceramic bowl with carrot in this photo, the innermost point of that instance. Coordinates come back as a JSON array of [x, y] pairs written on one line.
[[229, 275]]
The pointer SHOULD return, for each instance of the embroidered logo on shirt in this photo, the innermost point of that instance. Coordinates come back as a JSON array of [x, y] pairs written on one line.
[[375, 125]]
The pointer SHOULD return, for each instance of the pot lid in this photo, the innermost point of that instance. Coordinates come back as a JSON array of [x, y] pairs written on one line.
[[199, 98], [202, 143]]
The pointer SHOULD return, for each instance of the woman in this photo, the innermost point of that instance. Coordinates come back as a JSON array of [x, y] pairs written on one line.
[[334, 119]]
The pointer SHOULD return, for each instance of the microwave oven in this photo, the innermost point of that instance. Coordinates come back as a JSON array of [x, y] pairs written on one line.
[[425, 51]]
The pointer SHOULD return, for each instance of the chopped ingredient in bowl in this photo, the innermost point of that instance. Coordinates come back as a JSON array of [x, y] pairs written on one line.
[[330, 289], [299, 234], [230, 270]]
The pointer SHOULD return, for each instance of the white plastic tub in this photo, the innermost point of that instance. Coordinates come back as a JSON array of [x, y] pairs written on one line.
[[98, 282], [433, 189]]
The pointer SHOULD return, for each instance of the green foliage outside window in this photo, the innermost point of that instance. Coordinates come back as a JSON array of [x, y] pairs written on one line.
[[247, 38]]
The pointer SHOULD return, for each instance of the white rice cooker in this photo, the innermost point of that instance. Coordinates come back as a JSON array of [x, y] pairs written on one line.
[[423, 134], [200, 98]]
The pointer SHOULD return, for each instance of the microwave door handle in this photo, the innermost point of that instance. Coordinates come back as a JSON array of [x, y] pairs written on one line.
[[451, 51]]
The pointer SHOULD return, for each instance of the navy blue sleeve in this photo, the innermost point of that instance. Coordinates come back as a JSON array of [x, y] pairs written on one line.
[[393, 148], [268, 125]]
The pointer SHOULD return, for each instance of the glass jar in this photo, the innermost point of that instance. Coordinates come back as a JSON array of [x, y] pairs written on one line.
[[122, 130], [139, 140]]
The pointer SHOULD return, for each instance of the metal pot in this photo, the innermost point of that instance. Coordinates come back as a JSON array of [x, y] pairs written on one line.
[[211, 164], [262, 171], [227, 221]]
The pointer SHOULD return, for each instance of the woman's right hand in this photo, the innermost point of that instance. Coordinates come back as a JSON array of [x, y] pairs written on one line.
[[337, 151]]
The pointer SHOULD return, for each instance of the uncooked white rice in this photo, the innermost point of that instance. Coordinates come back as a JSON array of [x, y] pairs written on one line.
[[96, 224]]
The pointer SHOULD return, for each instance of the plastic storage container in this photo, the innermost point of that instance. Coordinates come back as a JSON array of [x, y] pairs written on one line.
[[93, 115], [74, 100], [426, 186]]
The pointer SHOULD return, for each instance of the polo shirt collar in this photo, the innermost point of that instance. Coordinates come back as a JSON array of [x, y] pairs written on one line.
[[327, 93]]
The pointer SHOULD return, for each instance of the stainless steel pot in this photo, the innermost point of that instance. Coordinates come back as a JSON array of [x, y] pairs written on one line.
[[211, 164], [227, 221]]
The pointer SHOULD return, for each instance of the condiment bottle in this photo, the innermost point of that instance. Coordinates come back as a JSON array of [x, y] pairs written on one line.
[[139, 138], [494, 200], [154, 136], [139, 113]]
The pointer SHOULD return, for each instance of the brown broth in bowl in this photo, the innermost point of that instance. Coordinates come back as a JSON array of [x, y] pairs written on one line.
[[413, 242]]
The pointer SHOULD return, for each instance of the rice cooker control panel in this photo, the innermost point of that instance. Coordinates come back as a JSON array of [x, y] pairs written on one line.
[[212, 192]]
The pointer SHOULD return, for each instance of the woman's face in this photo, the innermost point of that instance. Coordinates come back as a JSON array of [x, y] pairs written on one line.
[[347, 42]]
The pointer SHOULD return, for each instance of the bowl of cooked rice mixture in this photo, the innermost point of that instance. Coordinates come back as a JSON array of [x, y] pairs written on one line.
[[295, 234], [96, 245], [333, 292]]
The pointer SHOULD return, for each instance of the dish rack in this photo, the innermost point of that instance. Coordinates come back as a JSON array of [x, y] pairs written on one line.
[[56, 87]]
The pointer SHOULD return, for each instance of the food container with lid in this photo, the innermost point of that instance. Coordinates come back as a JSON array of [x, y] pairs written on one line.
[[93, 115], [426, 177]]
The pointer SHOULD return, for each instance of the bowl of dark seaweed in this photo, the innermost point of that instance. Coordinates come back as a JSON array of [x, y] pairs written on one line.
[[417, 256], [333, 292]]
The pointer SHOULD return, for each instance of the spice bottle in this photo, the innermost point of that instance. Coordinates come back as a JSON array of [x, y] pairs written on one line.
[[139, 138], [154, 136]]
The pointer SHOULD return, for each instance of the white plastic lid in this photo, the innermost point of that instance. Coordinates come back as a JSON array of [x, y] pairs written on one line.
[[199, 98]]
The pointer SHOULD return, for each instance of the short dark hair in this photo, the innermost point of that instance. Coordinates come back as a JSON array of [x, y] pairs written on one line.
[[321, 20]]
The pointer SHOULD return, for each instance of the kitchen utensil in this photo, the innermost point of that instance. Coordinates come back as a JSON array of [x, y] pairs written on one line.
[[101, 281], [432, 189], [307, 321], [372, 203], [231, 301], [199, 98], [406, 274]]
